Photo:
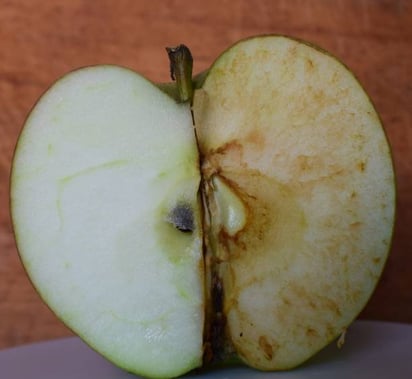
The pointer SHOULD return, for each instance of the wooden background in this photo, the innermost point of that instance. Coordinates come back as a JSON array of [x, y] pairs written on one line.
[[41, 40]]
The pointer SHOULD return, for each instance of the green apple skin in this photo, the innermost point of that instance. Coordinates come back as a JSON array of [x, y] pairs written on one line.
[[103, 162], [289, 130]]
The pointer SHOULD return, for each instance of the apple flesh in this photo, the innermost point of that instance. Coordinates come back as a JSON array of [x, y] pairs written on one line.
[[291, 132], [260, 232], [105, 167]]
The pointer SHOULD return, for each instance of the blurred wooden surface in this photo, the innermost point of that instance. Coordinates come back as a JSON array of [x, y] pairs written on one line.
[[41, 40]]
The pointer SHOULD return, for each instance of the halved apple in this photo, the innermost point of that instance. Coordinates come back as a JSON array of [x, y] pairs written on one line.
[[260, 232], [289, 130], [104, 166]]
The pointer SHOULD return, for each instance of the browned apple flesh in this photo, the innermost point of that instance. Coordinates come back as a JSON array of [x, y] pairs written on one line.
[[299, 191]]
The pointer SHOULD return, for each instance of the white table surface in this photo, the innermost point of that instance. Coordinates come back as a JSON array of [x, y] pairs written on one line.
[[373, 350]]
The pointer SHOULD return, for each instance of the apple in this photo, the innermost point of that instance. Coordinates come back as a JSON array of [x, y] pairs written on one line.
[[245, 213]]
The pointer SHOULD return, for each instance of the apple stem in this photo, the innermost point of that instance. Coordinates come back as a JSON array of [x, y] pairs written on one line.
[[181, 66]]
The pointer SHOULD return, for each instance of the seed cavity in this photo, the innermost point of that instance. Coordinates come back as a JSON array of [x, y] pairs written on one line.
[[182, 218]]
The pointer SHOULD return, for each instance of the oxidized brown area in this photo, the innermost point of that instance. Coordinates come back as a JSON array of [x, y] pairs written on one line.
[[272, 213], [226, 252], [215, 321], [266, 347], [217, 249], [213, 162], [298, 157]]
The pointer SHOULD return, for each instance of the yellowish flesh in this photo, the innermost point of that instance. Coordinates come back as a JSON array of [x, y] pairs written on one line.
[[293, 133]]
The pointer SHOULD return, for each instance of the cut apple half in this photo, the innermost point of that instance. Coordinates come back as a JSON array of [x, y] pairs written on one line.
[[104, 167], [252, 220], [289, 129]]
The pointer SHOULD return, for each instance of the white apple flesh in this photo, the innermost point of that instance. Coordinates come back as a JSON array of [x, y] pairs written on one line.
[[103, 160], [259, 232]]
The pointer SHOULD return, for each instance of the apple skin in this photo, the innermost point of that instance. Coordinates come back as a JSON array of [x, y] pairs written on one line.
[[259, 235]]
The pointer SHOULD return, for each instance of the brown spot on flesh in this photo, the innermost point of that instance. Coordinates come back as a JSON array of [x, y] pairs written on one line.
[[312, 300], [213, 160], [311, 333], [233, 145], [312, 304], [309, 64], [377, 260], [266, 348], [361, 166], [256, 138]]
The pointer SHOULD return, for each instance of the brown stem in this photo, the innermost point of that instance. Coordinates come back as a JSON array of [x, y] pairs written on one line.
[[181, 67]]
